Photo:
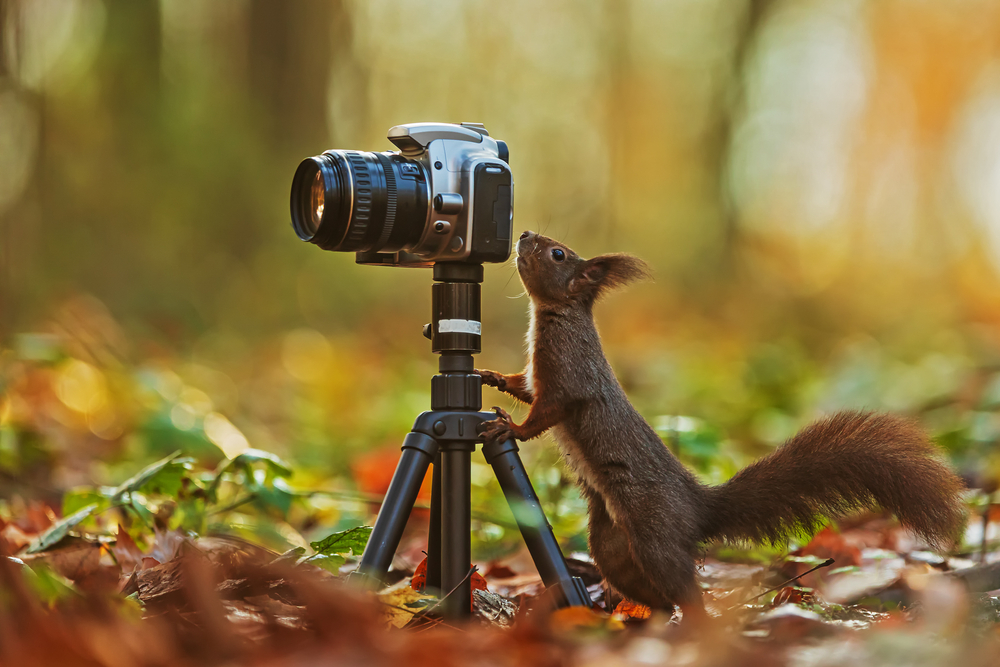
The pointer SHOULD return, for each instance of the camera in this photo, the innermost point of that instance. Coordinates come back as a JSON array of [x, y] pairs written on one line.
[[445, 196]]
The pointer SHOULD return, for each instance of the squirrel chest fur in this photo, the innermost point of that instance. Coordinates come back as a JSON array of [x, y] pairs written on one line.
[[648, 513]]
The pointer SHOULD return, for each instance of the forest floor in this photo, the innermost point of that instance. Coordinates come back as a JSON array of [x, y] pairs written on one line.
[[151, 595]]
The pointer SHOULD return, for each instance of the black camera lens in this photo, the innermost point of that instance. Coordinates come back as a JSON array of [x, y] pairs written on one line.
[[356, 201]]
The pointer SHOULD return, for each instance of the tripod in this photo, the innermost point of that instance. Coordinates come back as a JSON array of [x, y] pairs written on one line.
[[446, 436]]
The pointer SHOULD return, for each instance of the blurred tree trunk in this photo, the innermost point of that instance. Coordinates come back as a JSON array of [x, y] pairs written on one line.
[[731, 106], [130, 65], [617, 67], [6, 237], [290, 53]]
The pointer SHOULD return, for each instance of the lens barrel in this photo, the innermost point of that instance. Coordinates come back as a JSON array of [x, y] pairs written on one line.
[[357, 201]]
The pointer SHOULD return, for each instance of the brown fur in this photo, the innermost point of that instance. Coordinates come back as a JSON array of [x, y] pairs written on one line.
[[648, 513]]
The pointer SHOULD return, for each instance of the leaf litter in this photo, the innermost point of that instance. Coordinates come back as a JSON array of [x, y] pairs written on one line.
[[159, 593]]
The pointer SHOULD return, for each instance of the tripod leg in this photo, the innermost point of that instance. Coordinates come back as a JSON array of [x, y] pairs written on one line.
[[535, 528], [418, 452], [434, 530], [456, 527]]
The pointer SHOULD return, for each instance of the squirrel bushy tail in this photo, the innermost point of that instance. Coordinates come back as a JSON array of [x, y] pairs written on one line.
[[850, 461]]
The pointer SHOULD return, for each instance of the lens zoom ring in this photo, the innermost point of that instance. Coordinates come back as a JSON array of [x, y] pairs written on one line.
[[390, 200], [362, 213]]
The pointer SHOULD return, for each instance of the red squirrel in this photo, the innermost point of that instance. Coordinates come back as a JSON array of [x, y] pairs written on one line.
[[649, 515]]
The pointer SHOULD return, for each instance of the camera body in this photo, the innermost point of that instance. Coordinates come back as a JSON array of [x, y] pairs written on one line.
[[445, 196]]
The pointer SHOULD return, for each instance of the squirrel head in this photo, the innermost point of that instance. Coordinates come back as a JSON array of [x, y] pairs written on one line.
[[555, 275]]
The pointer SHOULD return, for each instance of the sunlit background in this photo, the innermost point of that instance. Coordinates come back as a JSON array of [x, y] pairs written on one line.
[[815, 183]]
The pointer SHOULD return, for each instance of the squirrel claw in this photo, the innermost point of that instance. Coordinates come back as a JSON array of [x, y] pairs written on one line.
[[501, 413], [496, 430]]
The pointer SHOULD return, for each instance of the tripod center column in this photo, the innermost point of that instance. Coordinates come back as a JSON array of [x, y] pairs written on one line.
[[456, 334]]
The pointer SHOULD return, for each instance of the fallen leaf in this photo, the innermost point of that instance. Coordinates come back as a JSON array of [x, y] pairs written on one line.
[[497, 571], [398, 600], [76, 561], [126, 552], [790, 622], [827, 543], [57, 531], [350, 541], [794, 595], [628, 610], [166, 545], [16, 538], [418, 581], [569, 620], [161, 585]]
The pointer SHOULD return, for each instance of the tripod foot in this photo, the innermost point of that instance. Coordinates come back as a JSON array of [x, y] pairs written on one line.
[[570, 592]]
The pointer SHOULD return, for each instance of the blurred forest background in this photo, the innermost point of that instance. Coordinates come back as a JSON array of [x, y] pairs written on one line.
[[816, 184]]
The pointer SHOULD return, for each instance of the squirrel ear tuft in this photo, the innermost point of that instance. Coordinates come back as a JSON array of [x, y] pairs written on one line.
[[606, 272]]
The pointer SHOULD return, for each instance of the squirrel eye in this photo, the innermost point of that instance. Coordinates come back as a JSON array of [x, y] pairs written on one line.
[[558, 254]]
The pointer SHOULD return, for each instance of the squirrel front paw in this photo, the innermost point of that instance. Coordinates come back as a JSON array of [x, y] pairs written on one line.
[[499, 429], [492, 378]]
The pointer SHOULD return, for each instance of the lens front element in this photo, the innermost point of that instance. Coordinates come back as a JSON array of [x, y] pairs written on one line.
[[316, 202]]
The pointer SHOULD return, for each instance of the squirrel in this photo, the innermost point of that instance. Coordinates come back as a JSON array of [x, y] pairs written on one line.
[[649, 515]]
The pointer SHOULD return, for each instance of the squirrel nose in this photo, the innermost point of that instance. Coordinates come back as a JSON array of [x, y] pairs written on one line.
[[525, 235]]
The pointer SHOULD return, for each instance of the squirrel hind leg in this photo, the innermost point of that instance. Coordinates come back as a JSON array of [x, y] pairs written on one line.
[[615, 557]]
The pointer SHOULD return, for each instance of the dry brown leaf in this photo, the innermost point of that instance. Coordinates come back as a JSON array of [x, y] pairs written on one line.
[[76, 561], [16, 538], [126, 552]]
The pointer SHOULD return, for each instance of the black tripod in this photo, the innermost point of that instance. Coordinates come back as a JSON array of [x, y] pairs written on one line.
[[446, 436]]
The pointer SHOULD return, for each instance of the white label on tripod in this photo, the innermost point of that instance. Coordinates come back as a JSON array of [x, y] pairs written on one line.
[[460, 326]]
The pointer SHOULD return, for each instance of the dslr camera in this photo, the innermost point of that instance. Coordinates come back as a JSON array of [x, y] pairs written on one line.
[[444, 196]]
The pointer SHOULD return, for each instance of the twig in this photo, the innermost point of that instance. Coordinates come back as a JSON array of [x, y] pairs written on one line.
[[233, 505], [826, 563], [430, 621], [438, 603]]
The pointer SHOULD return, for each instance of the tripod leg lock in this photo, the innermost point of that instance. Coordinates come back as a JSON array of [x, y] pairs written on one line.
[[422, 443], [494, 450]]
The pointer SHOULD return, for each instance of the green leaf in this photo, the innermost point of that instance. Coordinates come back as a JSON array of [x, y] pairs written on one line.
[[275, 467], [289, 557], [329, 562], [81, 496], [59, 530], [50, 586], [270, 497], [165, 475], [350, 541], [190, 515]]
